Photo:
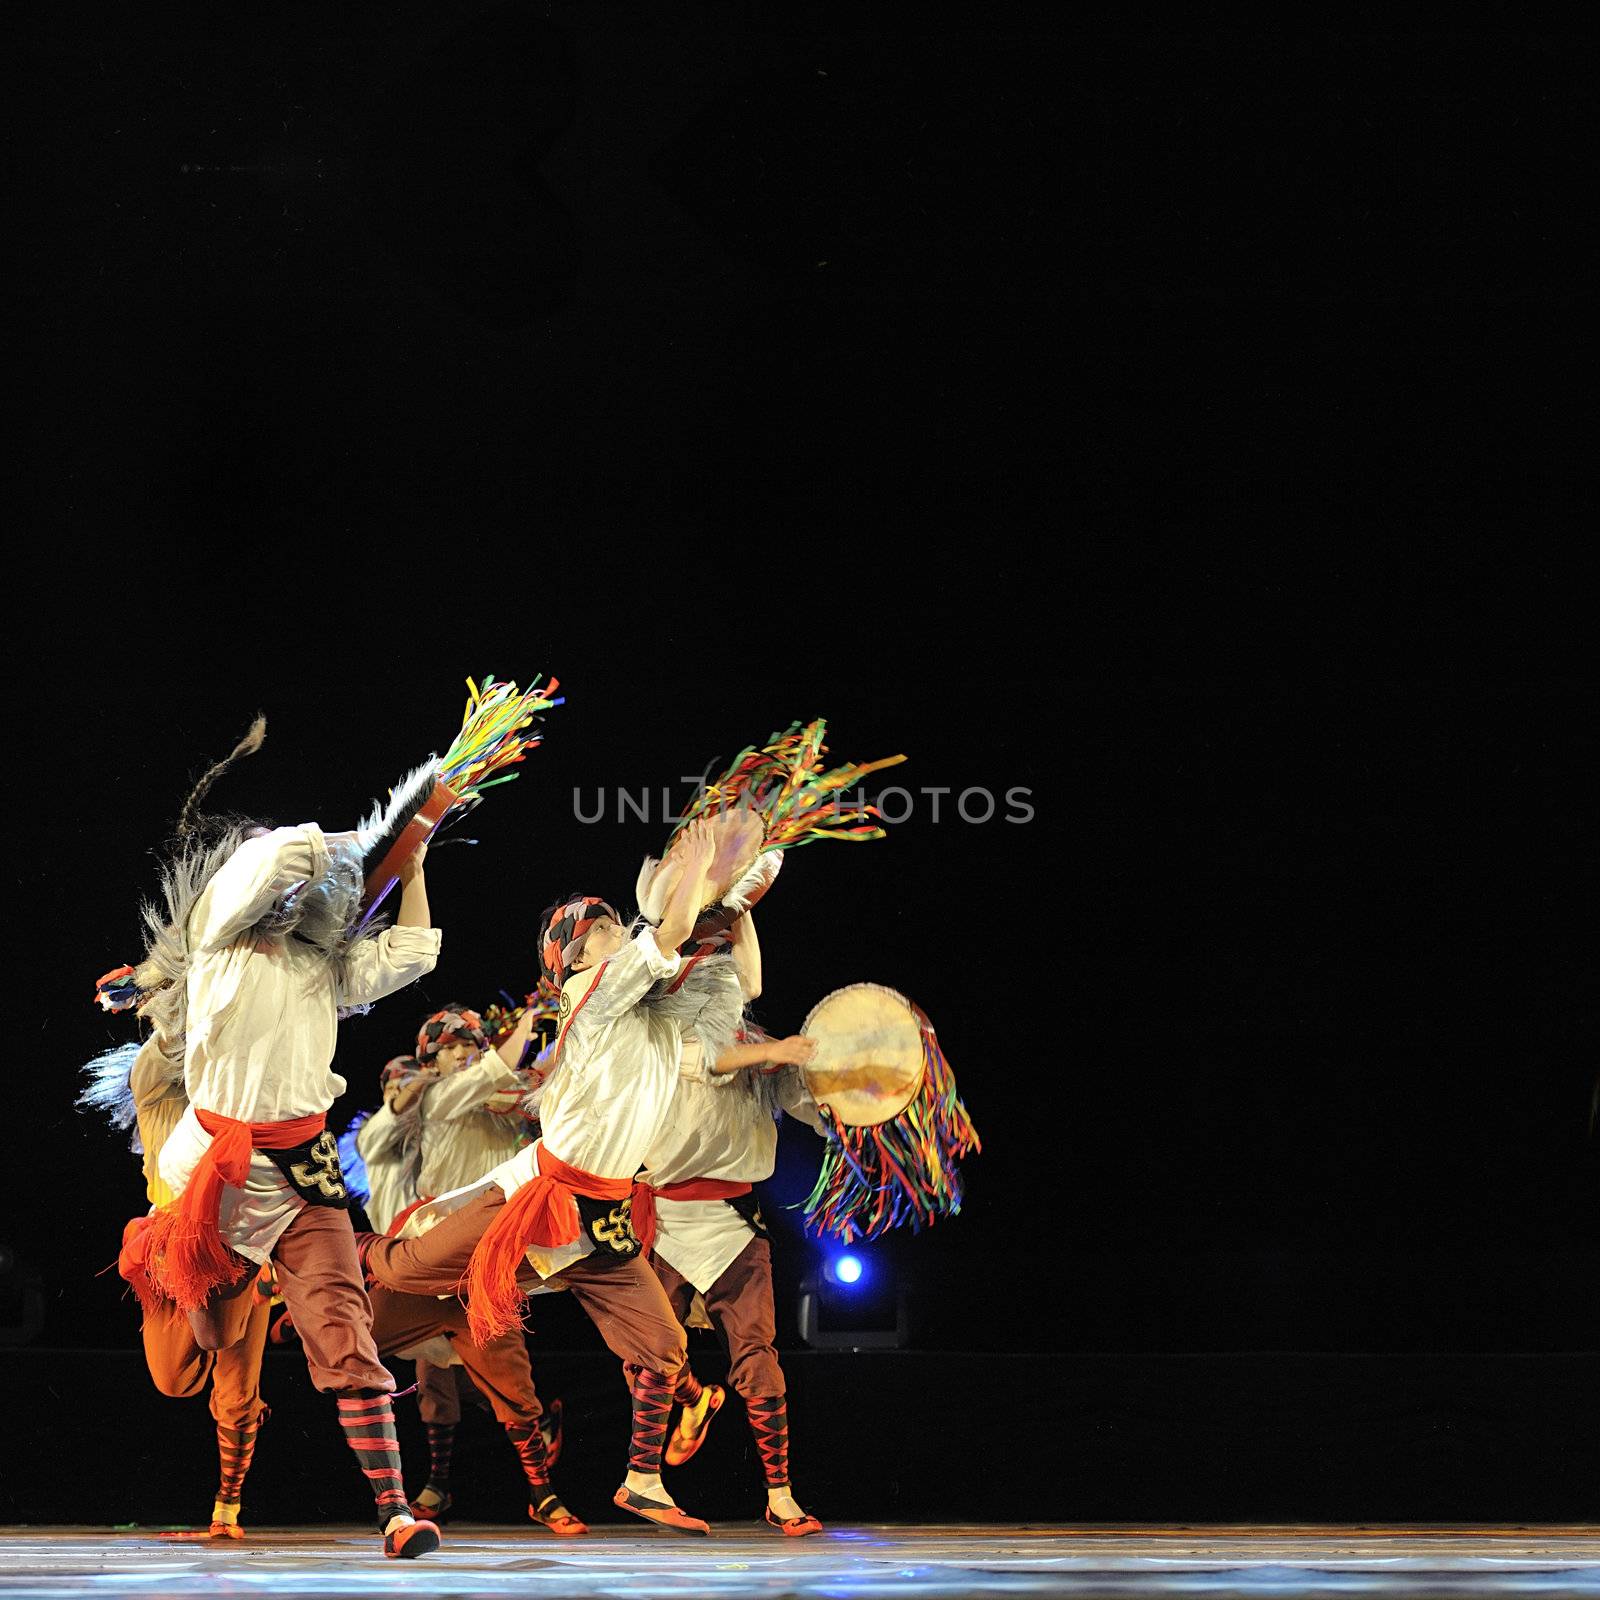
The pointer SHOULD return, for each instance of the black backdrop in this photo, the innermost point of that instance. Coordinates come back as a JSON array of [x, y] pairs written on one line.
[[1163, 423]]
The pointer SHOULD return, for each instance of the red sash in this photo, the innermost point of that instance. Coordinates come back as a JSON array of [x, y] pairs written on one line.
[[543, 1213], [180, 1250], [644, 1201]]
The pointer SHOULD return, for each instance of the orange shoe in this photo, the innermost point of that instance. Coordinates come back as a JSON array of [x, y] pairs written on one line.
[[217, 1530], [410, 1540], [794, 1527], [683, 1442], [434, 1512], [667, 1516], [265, 1289], [555, 1516]]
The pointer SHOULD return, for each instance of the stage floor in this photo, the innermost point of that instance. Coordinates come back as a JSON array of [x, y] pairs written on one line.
[[737, 1561]]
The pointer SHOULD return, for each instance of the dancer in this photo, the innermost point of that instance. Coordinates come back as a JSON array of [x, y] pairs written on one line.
[[695, 1211], [451, 1112], [469, 1100], [562, 1206], [151, 1096], [257, 950]]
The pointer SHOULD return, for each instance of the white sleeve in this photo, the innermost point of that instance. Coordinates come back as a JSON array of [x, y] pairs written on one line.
[[381, 1143], [624, 980], [389, 961], [464, 1092], [252, 881], [796, 1099], [378, 1136]]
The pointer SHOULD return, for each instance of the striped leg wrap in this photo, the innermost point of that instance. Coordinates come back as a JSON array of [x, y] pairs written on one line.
[[689, 1388], [530, 1447], [441, 1447], [769, 1422], [235, 1447], [652, 1404], [368, 1422]]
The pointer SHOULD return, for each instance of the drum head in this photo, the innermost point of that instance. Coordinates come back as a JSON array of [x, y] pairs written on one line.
[[868, 1065]]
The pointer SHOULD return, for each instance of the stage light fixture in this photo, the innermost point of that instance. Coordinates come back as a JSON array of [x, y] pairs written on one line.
[[850, 1302], [845, 1269]]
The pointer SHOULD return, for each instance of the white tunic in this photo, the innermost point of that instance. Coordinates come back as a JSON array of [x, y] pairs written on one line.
[[716, 1127], [462, 1138], [611, 1086], [467, 1123], [262, 1020], [379, 1142]]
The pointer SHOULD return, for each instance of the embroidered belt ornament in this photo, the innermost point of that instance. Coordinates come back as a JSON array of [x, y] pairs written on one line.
[[610, 1225], [314, 1171], [748, 1208]]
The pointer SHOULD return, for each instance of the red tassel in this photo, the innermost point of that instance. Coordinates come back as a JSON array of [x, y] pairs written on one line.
[[186, 1252], [542, 1212], [133, 1263]]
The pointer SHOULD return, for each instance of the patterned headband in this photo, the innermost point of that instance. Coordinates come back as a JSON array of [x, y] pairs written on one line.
[[449, 1027], [563, 937], [400, 1067]]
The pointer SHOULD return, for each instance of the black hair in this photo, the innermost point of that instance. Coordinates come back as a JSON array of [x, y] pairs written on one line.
[[190, 818]]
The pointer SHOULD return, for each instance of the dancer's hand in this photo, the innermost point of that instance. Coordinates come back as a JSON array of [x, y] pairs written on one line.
[[411, 867], [688, 893], [668, 874], [794, 1051], [698, 845]]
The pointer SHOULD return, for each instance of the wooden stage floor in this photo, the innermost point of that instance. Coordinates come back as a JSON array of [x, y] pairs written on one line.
[[913, 1562]]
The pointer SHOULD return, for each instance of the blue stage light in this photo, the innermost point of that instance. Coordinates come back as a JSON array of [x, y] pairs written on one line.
[[853, 1302], [846, 1269]]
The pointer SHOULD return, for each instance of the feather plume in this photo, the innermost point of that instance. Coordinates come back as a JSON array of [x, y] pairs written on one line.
[[108, 1088]]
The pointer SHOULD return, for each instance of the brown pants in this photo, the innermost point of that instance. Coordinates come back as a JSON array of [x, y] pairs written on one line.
[[319, 1277], [739, 1304], [624, 1299], [438, 1388], [500, 1368], [180, 1365]]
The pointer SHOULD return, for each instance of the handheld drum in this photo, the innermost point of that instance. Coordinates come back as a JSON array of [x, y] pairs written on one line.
[[409, 825], [868, 1066], [896, 1126]]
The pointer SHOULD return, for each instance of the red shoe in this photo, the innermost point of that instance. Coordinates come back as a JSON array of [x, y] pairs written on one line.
[[410, 1540], [655, 1511], [682, 1445], [424, 1512], [551, 1427], [794, 1527], [556, 1517], [217, 1530], [283, 1329]]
